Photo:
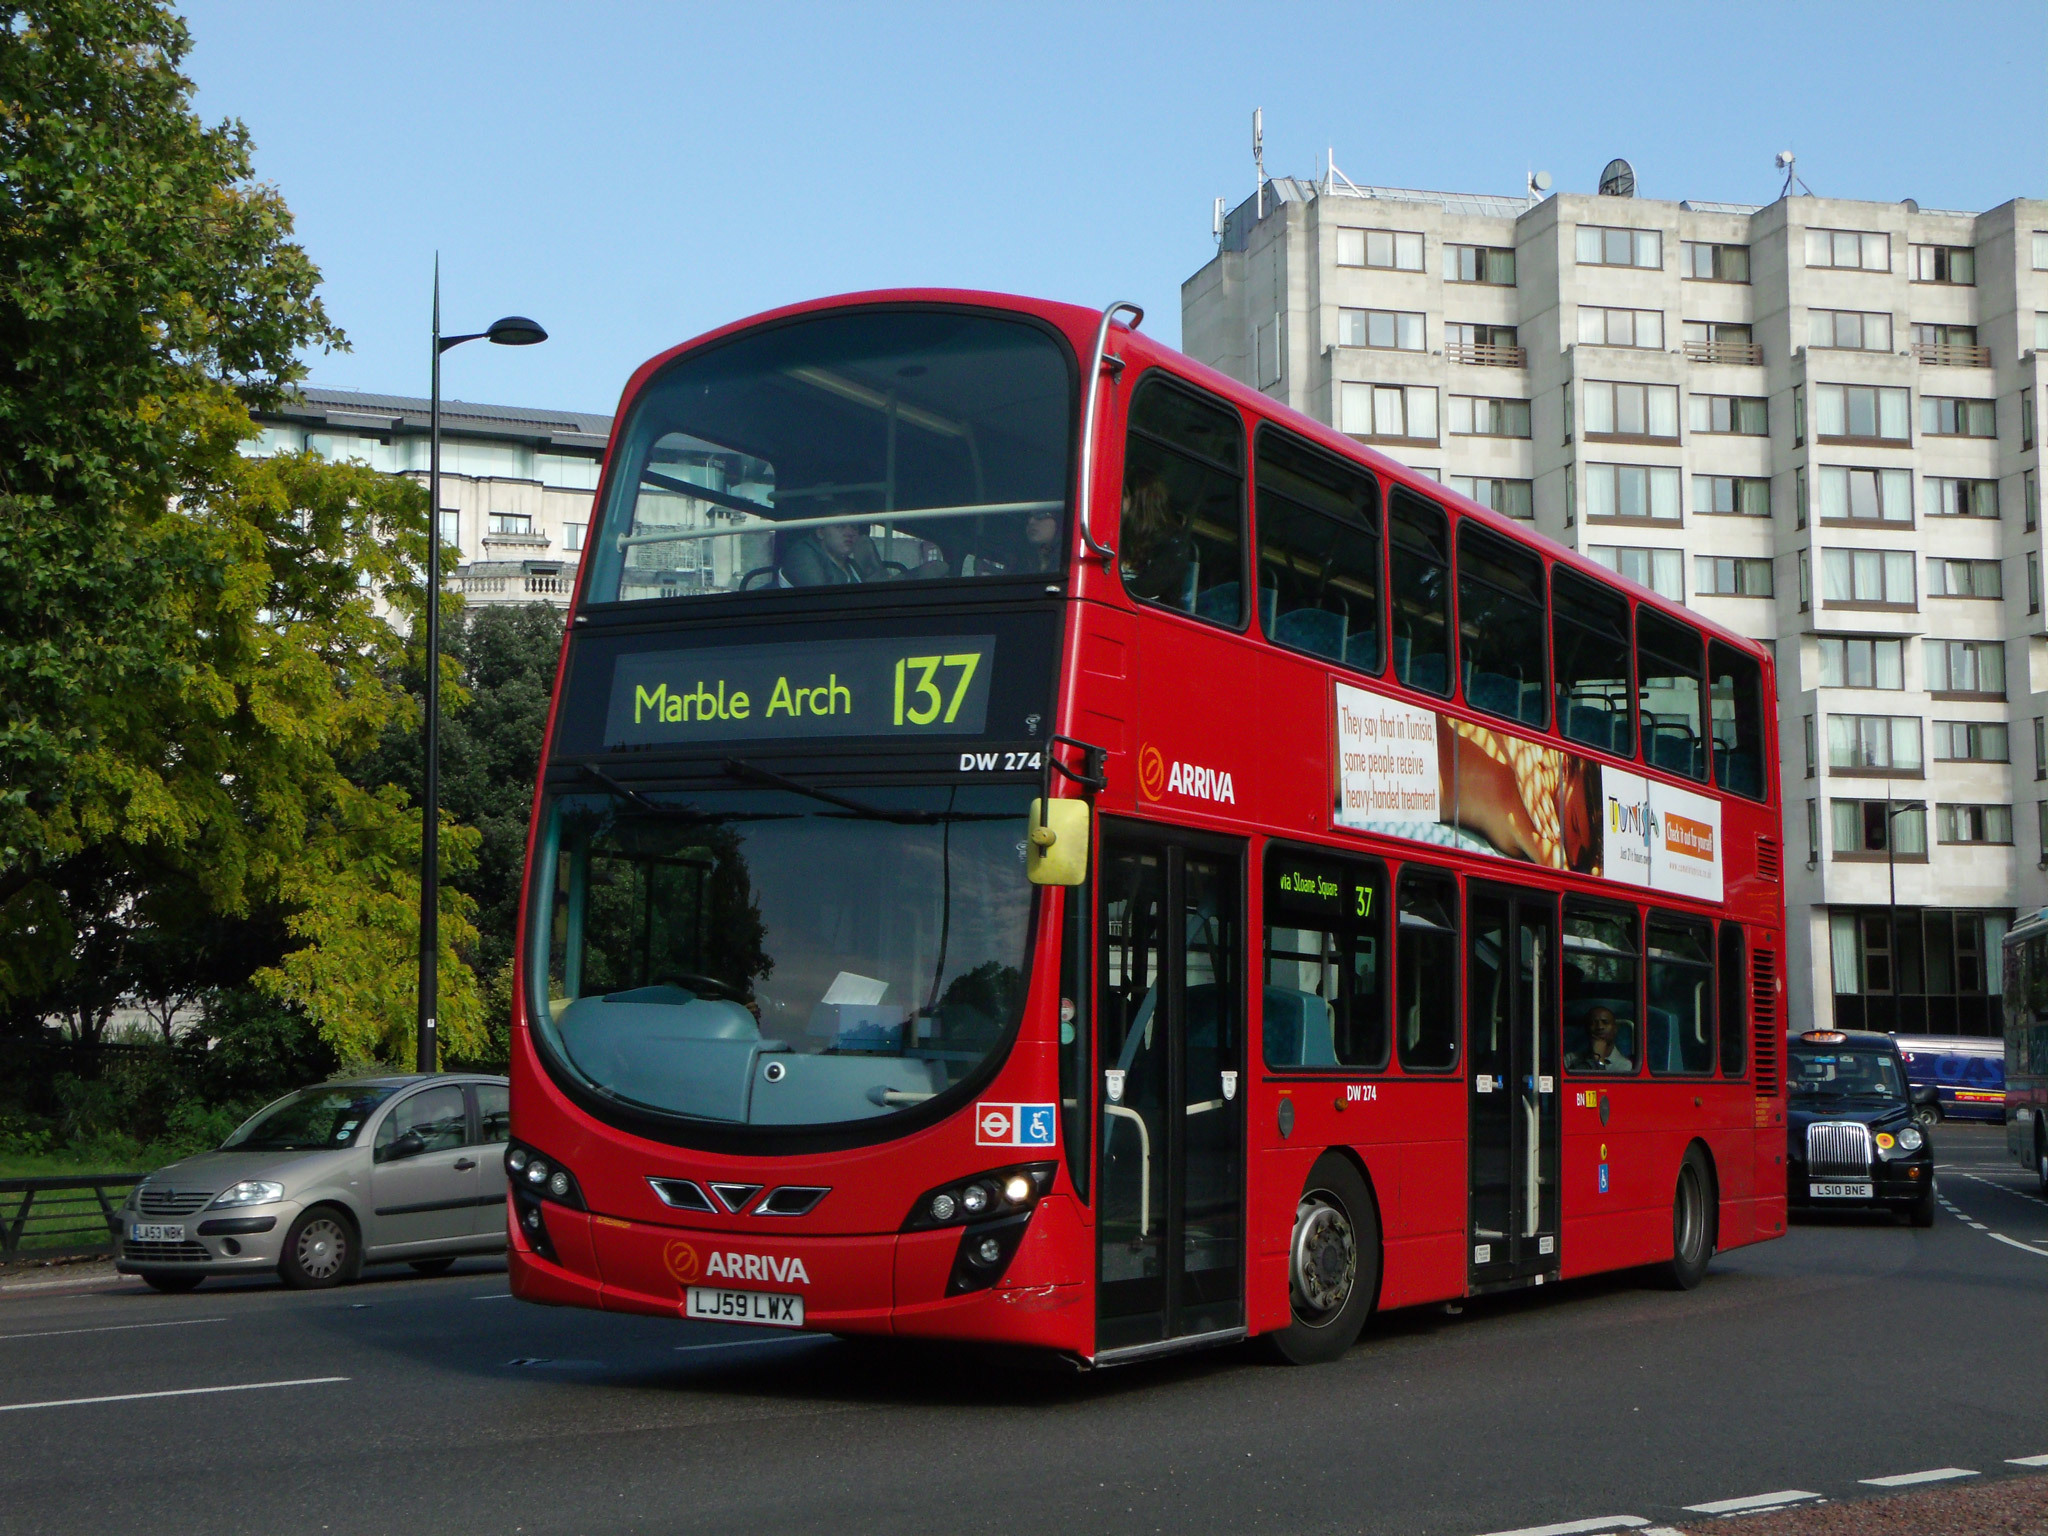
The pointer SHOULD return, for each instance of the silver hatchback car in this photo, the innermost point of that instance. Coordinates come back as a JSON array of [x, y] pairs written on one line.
[[367, 1171]]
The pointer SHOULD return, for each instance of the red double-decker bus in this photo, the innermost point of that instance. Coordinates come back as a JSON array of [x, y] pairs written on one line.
[[1038, 843]]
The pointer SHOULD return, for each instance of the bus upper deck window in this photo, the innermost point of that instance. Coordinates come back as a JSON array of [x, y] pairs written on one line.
[[1319, 552], [1500, 626], [1182, 538], [1590, 648], [1669, 661], [1737, 694], [1420, 581], [853, 449]]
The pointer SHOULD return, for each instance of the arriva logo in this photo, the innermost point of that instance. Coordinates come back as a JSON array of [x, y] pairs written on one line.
[[757, 1266], [1157, 777], [681, 1261]]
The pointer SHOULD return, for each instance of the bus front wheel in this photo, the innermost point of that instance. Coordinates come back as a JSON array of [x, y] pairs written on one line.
[[1333, 1264]]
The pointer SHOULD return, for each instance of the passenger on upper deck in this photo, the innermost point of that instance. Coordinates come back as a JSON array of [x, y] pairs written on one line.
[[1042, 553], [841, 554]]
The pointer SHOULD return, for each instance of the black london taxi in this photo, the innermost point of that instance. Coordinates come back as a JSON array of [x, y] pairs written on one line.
[[1851, 1139]]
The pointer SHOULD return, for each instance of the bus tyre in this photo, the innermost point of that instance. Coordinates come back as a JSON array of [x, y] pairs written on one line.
[[320, 1250], [1333, 1264], [1692, 1224]]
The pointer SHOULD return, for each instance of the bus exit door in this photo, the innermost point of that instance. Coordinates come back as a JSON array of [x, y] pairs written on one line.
[[1511, 1054], [1169, 1055]]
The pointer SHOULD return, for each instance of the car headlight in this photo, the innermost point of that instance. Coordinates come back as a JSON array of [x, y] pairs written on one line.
[[250, 1192], [1909, 1138]]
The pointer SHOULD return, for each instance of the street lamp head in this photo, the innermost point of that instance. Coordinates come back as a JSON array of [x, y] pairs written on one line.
[[516, 331]]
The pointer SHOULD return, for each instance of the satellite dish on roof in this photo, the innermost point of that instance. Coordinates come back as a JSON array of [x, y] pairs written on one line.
[[1539, 183], [1618, 180]]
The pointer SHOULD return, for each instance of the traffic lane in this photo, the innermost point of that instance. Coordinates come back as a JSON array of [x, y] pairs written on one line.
[[1558, 1402]]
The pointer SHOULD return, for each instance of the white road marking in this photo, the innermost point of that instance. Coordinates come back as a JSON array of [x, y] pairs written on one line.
[[1908, 1479], [54, 1333], [494, 1296], [2013, 1242], [2026, 1461], [1579, 1527], [686, 1349], [1979, 1225], [1752, 1501], [51, 1285], [136, 1397]]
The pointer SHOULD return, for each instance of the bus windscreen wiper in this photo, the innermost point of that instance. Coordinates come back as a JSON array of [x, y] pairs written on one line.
[[638, 801], [739, 768]]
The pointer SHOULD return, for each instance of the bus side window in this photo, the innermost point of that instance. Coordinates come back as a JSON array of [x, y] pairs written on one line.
[[1602, 976], [1426, 971], [1736, 695], [1669, 659], [1680, 1015], [1182, 539], [1589, 629], [1734, 1004], [1319, 551], [1324, 1000], [1419, 538], [1501, 643]]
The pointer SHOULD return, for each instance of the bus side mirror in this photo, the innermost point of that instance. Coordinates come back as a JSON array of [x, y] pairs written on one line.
[[1056, 852]]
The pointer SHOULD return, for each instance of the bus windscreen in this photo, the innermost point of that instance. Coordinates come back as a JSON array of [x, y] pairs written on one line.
[[861, 448]]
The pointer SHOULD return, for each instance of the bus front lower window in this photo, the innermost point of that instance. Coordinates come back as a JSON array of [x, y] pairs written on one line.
[[761, 957]]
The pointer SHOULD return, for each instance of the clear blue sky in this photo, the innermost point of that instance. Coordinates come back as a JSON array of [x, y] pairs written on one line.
[[633, 174]]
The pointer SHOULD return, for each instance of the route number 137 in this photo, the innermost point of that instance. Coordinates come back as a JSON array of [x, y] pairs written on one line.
[[919, 694]]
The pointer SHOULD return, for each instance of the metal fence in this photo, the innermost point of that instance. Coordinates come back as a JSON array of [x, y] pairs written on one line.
[[62, 1215]]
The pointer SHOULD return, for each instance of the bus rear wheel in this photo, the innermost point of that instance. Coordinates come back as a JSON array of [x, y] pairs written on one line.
[[1692, 1224], [1333, 1264]]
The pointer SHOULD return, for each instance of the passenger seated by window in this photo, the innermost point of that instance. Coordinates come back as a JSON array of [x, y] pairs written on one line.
[[1157, 552], [834, 556], [1042, 553], [1601, 1053]]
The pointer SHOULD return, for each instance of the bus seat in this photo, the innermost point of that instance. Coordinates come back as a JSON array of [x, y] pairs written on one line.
[[1663, 1054], [1269, 601], [1592, 726], [1401, 657], [1532, 703], [1671, 749], [1738, 770], [1362, 650], [1299, 1029], [1221, 603], [1429, 673], [1492, 692], [1312, 629]]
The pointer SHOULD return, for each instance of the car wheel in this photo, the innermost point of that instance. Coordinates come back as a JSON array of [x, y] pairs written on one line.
[[1927, 1116], [1333, 1264], [1922, 1214], [1692, 1224], [432, 1266], [172, 1282], [2041, 1154], [320, 1250]]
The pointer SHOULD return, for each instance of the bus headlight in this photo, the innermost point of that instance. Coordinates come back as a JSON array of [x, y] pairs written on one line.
[[538, 1181]]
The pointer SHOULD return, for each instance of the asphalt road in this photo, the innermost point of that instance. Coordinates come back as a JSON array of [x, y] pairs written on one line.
[[1845, 1352]]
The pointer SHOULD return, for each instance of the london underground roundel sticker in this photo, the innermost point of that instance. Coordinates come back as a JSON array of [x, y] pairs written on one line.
[[1015, 1125]]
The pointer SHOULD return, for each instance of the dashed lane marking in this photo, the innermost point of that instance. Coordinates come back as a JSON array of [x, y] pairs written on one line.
[[56, 1333], [2027, 1195], [1752, 1502], [2026, 1461], [494, 1296], [136, 1397], [1908, 1479], [1580, 1527]]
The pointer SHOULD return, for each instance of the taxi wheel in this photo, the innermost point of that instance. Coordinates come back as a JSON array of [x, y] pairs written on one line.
[[172, 1283], [1922, 1214], [432, 1266], [1333, 1264], [1692, 1224], [320, 1250], [2041, 1154]]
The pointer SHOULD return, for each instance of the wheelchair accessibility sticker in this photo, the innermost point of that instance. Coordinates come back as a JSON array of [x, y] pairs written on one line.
[[1015, 1125]]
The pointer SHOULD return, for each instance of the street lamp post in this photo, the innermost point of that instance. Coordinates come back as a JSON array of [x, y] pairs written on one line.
[[512, 331], [1891, 871]]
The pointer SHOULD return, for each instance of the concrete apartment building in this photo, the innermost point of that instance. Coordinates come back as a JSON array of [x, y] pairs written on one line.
[[516, 484], [1815, 422]]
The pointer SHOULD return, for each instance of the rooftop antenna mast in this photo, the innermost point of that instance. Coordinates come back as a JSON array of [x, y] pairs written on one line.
[[1784, 163], [1259, 154]]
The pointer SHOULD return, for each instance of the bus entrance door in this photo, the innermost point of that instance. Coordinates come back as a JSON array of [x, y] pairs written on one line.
[[1170, 1056], [1511, 1027]]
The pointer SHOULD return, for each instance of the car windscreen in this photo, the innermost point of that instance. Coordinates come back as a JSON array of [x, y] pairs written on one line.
[[1843, 1074], [311, 1120]]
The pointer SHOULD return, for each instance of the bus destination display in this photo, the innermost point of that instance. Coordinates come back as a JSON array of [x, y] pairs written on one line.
[[925, 685]]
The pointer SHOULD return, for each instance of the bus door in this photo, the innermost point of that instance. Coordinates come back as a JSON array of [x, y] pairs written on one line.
[[1170, 1056], [1511, 1032]]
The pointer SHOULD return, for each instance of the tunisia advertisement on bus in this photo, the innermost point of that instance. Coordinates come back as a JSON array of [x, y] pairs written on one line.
[[1414, 773]]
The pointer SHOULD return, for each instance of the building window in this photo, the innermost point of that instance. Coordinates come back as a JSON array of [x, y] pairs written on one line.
[[1947, 497], [1971, 741], [1394, 249], [517, 524], [572, 535], [1731, 576], [1661, 570], [1957, 418], [1598, 247], [1936, 336], [1966, 667], [2026, 419], [1479, 264], [1849, 330], [1864, 250], [1643, 412], [1851, 661], [1964, 578], [1798, 416], [2041, 250], [1874, 744], [451, 527], [1400, 412], [1718, 341], [1641, 491], [1916, 970], [2033, 582], [1809, 749], [1973, 823], [1859, 577], [1571, 490], [1708, 263], [1269, 348], [1472, 416], [1860, 828], [2030, 499], [2041, 746], [1466, 335], [2041, 330], [1742, 415], [1805, 582], [1865, 495], [1944, 264], [1621, 327], [1812, 832], [1861, 413], [1731, 495], [1390, 330], [1510, 498]]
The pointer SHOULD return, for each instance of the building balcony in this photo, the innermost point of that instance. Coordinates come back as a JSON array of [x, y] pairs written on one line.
[[1742, 354], [1942, 355], [515, 541], [1483, 356]]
